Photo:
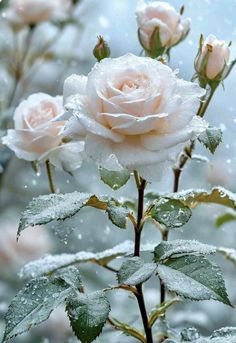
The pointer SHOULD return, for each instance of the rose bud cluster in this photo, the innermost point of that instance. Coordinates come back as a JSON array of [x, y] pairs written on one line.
[[37, 133], [212, 61], [160, 27], [31, 12]]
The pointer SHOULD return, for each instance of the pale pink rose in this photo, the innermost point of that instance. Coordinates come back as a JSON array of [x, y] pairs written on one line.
[[38, 133], [217, 60], [32, 245], [157, 14], [34, 11], [134, 113]]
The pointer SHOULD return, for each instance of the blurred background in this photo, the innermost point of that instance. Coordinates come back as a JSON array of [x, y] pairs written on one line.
[[54, 52]]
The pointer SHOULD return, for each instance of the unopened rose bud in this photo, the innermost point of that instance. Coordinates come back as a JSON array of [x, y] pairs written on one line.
[[212, 61], [160, 27], [101, 49]]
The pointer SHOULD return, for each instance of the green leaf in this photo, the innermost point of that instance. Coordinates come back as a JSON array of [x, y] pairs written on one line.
[[34, 304], [211, 138], [193, 197], [156, 48], [170, 212], [224, 218], [50, 263], [71, 276], [88, 314], [180, 247], [190, 335], [194, 277], [118, 214], [47, 208], [223, 335], [114, 179], [228, 332], [135, 271]]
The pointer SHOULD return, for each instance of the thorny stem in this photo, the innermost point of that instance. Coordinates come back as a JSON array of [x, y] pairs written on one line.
[[50, 177], [141, 184]]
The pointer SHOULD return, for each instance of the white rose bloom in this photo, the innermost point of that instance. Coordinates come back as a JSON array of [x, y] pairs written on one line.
[[218, 57], [34, 11], [133, 113], [38, 133], [172, 27]]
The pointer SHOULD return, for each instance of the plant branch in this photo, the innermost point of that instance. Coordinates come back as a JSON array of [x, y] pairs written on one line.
[[143, 311], [50, 177], [141, 184], [116, 324], [108, 268], [165, 236], [157, 312]]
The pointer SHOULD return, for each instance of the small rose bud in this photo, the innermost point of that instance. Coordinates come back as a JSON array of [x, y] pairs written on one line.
[[212, 60], [160, 27], [101, 49]]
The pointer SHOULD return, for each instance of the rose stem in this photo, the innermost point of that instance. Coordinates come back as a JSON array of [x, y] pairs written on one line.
[[188, 150], [141, 184], [187, 153], [50, 177]]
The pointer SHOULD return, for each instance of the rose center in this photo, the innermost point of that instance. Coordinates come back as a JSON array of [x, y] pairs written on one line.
[[42, 114], [129, 85]]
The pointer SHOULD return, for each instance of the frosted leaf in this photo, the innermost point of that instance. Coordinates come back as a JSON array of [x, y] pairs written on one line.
[[34, 304], [47, 208], [135, 271], [194, 277], [50, 263], [180, 247], [71, 276], [228, 332], [223, 335], [170, 212], [211, 138], [88, 314], [118, 214], [190, 334], [192, 197], [114, 179]]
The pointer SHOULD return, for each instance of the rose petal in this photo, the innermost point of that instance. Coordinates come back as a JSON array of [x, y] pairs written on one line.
[[129, 125], [94, 127], [74, 84], [68, 157]]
